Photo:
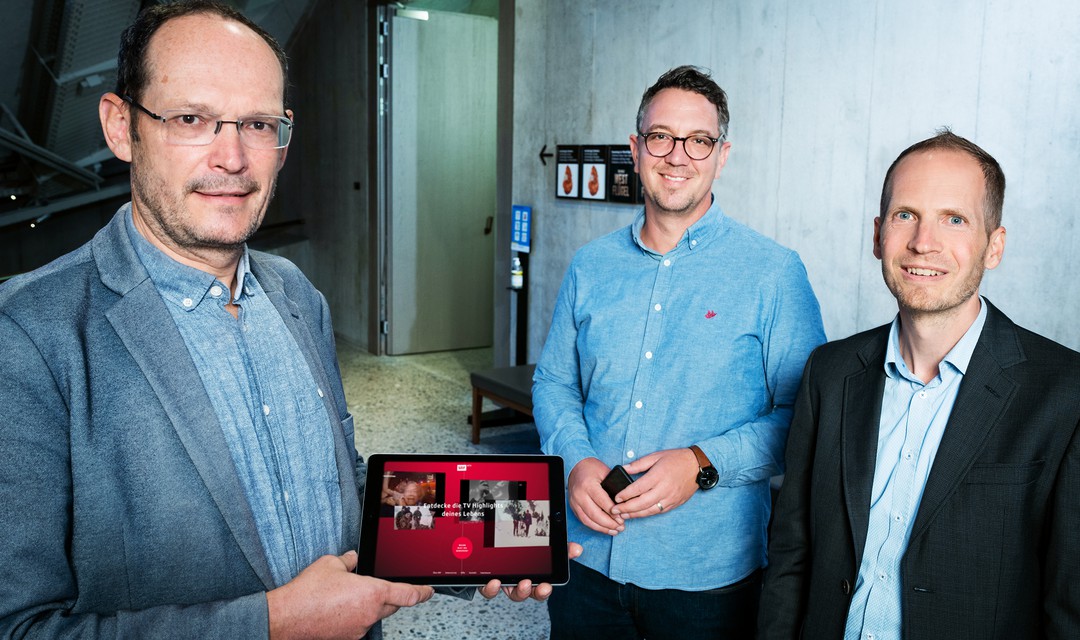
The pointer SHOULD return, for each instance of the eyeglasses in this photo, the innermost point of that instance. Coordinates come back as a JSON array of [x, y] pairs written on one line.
[[194, 129], [660, 145]]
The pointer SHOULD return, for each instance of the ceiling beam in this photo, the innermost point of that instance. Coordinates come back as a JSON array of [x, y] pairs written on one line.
[[44, 156], [78, 200]]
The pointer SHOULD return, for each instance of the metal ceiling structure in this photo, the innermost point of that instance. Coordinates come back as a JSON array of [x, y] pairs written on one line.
[[58, 57]]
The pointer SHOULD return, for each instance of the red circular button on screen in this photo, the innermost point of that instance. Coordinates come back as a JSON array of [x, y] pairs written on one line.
[[462, 548]]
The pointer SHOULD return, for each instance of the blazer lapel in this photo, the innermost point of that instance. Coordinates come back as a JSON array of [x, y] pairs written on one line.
[[984, 394], [859, 434], [144, 325]]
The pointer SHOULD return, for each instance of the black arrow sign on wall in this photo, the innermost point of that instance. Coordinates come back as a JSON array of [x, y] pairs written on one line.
[[545, 155]]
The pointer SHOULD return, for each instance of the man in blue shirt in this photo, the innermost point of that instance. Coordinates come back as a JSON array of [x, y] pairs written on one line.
[[933, 482], [675, 351], [176, 452]]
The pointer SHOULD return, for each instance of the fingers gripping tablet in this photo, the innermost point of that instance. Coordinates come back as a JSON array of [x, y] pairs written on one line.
[[462, 520]]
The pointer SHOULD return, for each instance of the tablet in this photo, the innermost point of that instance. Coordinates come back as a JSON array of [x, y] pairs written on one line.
[[462, 520]]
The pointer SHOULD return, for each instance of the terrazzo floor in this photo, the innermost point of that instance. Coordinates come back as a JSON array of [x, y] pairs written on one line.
[[420, 403]]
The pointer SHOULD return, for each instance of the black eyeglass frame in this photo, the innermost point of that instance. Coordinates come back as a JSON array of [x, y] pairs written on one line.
[[675, 139], [217, 127]]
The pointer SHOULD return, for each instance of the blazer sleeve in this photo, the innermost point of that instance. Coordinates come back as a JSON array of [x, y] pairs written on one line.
[[785, 589], [38, 585]]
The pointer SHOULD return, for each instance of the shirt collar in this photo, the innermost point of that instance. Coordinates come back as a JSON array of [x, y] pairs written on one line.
[[958, 357], [245, 279], [181, 285], [697, 235]]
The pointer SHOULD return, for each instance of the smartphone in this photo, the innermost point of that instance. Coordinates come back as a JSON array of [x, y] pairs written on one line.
[[617, 479]]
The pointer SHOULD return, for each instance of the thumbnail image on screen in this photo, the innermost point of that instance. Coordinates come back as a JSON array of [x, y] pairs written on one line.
[[522, 523], [481, 496], [414, 518], [410, 489]]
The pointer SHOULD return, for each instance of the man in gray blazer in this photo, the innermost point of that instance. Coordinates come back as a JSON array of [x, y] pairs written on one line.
[[933, 465], [176, 452]]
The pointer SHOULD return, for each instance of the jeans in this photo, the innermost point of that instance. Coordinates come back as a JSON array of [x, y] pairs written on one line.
[[594, 607]]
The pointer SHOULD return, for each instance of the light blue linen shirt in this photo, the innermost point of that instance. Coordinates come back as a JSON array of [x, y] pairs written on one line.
[[913, 419], [702, 345], [269, 405]]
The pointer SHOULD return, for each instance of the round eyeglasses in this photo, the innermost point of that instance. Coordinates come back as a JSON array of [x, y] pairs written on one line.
[[193, 129], [660, 145]]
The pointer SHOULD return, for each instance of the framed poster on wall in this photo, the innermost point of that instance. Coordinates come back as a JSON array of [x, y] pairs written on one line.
[[568, 174]]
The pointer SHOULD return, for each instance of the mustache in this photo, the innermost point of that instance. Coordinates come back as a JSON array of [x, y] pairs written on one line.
[[223, 183]]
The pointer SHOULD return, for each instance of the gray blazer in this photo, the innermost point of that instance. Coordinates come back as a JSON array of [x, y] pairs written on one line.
[[995, 546], [122, 515]]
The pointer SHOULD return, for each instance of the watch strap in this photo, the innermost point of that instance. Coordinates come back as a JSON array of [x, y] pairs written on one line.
[[702, 459]]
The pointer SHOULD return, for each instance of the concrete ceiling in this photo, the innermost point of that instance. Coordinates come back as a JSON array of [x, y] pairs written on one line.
[[58, 57]]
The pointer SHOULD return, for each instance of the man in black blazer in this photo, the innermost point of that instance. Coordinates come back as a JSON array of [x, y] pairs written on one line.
[[933, 465]]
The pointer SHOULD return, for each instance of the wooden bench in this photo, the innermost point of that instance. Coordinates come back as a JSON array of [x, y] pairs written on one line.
[[509, 387]]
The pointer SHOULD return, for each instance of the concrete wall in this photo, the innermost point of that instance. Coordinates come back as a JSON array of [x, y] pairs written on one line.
[[326, 179], [823, 96]]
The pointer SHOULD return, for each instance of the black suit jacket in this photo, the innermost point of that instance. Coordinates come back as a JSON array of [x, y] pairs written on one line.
[[995, 546]]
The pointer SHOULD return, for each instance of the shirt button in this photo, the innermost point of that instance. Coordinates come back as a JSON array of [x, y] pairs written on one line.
[[922, 394], [215, 291], [630, 453], [667, 263], [187, 302], [648, 355], [693, 243], [320, 393], [286, 496], [266, 410], [638, 404], [657, 307]]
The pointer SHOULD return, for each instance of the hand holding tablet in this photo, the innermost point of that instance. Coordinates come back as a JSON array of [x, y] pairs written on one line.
[[526, 589]]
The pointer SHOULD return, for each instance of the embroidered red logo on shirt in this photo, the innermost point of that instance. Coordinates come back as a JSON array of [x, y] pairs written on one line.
[[710, 314]]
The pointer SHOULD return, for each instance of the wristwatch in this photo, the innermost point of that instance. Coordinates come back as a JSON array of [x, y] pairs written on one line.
[[707, 476]]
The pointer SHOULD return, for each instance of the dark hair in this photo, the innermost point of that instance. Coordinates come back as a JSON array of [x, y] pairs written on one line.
[[688, 78], [946, 140], [132, 74]]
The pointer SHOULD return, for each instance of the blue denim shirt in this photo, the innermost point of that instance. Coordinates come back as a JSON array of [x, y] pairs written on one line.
[[703, 345], [269, 405], [913, 419]]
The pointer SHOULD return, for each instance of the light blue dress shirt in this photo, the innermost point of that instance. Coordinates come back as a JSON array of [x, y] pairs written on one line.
[[702, 345], [913, 419], [269, 405]]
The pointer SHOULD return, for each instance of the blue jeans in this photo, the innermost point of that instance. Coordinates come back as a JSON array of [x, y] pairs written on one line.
[[594, 607]]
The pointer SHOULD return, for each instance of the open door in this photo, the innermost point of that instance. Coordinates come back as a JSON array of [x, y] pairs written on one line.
[[438, 151]]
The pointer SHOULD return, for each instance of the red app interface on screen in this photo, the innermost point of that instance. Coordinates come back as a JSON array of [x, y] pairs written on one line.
[[464, 519]]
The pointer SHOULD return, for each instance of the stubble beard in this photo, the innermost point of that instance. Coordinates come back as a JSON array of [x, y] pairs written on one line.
[[167, 213], [672, 203], [921, 303]]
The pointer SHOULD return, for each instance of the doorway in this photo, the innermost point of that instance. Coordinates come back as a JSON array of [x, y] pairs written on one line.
[[436, 148]]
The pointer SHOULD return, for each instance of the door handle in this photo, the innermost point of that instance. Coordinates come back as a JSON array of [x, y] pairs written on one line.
[[488, 224]]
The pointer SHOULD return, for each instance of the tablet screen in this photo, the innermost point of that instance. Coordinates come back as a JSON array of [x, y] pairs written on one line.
[[454, 520]]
